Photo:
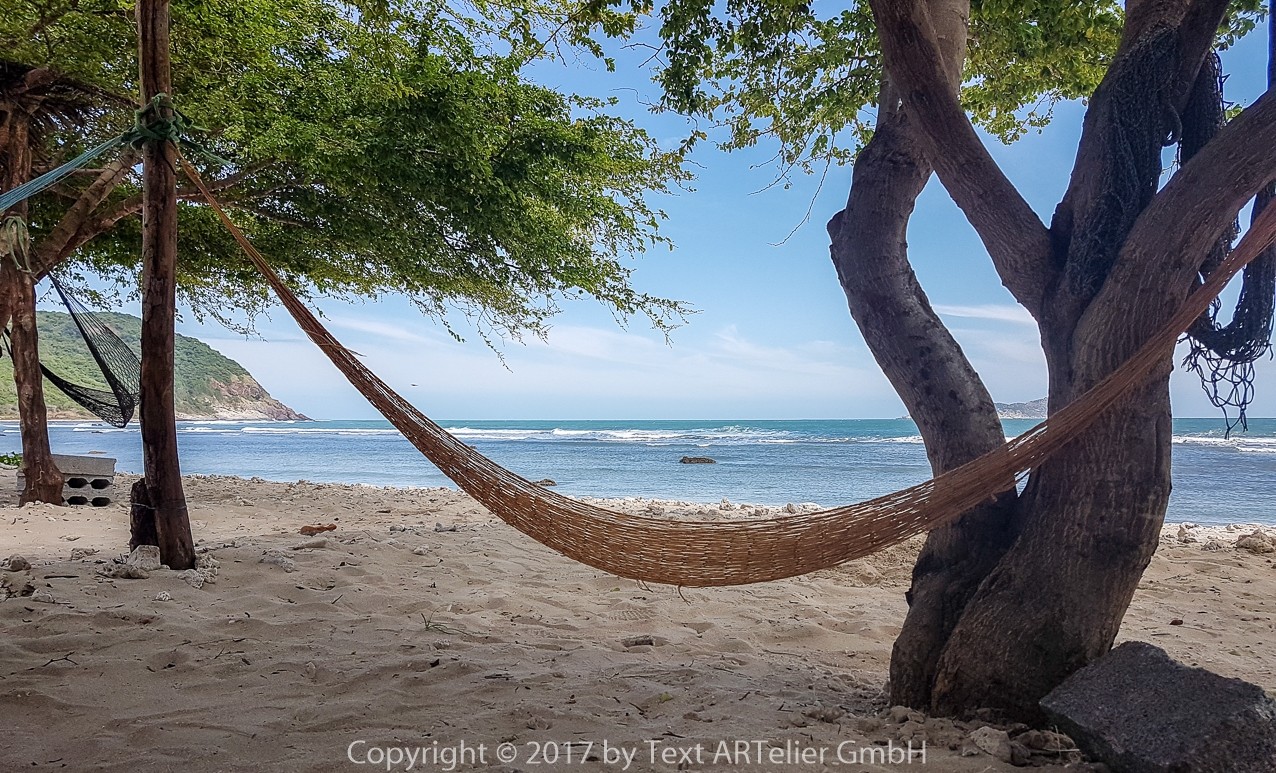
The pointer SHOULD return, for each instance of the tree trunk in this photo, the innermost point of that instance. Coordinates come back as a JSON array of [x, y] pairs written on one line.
[[1089, 522], [1090, 518], [141, 517], [163, 478], [43, 478], [1016, 600], [17, 285], [943, 393]]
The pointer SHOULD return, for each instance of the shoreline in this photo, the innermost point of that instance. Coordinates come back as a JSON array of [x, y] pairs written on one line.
[[769, 463], [422, 619], [724, 509]]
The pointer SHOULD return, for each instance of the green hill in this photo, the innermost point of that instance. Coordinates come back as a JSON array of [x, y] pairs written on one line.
[[208, 385]]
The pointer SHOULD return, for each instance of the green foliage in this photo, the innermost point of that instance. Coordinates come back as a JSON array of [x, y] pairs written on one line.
[[1023, 58], [808, 79], [378, 147], [62, 350], [11, 460]]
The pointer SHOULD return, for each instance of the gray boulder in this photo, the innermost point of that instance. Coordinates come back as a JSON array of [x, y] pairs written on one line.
[[1141, 712]]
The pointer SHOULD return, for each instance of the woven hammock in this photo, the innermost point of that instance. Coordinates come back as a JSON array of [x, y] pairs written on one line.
[[714, 553]]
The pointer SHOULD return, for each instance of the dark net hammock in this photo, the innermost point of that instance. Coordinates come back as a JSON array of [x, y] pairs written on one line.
[[118, 363], [1223, 354]]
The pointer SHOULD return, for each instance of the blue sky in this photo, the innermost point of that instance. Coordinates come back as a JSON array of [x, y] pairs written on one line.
[[772, 337]]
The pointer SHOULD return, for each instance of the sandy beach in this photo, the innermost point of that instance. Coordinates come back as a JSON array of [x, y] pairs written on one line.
[[423, 624]]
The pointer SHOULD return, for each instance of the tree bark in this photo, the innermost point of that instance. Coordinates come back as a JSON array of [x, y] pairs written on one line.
[[69, 233], [163, 478], [43, 478], [943, 393], [141, 517], [913, 51], [17, 311]]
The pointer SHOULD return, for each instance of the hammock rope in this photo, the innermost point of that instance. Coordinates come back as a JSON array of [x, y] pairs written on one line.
[[147, 127], [716, 553]]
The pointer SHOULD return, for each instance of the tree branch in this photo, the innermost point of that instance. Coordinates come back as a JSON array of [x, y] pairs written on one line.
[[1015, 237], [1135, 107], [51, 250], [60, 244]]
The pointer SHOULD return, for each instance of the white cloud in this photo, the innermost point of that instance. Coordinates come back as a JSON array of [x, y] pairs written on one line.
[[381, 330], [993, 312], [579, 372]]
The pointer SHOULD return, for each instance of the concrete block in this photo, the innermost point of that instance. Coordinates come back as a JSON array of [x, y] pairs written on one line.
[[88, 480], [87, 466]]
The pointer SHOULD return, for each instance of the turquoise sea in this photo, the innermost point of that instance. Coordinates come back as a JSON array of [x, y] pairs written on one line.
[[1217, 479]]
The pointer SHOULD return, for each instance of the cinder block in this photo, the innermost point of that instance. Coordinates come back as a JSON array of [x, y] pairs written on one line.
[[88, 480], [88, 466]]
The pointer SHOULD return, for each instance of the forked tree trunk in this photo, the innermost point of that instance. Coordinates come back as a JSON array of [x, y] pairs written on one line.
[[944, 395], [17, 311], [1089, 522], [1012, 599]]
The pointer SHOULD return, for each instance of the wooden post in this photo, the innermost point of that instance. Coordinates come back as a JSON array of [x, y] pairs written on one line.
[[159, 301]]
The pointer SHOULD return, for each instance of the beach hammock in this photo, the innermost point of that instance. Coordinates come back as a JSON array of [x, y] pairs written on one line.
[[709, 553], [117, 362]]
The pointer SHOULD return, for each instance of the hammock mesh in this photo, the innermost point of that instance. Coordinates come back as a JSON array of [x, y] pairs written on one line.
[[1223, 355], [117, 362]]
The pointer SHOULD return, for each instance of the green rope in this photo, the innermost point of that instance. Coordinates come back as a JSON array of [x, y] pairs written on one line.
[[147, 127], [15, 242], [47, 180]]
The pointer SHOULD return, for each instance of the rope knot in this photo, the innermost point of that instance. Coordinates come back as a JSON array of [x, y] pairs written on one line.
[[159, 121]]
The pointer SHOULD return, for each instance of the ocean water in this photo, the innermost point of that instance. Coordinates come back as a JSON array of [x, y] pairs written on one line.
[[1217, 479]]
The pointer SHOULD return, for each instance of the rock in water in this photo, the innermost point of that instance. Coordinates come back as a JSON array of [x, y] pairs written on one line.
[[1141, 712], [697, 460]]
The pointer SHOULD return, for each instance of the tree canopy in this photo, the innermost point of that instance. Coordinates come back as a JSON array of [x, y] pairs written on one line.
[[373, 148], [809, 79]]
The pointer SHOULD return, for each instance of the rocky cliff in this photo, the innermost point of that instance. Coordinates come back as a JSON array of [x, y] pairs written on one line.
[[1033, 409]]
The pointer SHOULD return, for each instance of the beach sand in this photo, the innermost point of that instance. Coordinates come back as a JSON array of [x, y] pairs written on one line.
[[423, 621]]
